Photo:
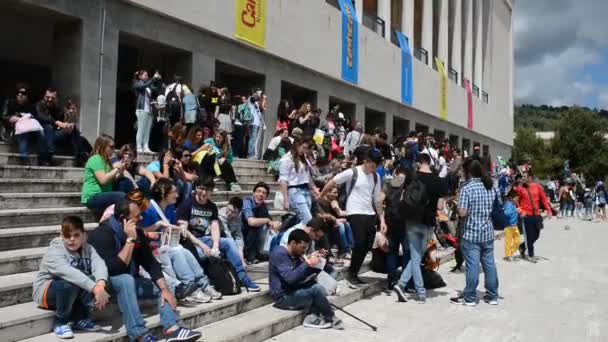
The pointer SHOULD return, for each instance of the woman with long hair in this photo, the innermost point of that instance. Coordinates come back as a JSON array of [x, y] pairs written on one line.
[[285, 115], [475, 202], [191, 106], [99, 175], [297, 186], [144, 87], [194, 140], [125, 182], [225, 113], [217, 160]]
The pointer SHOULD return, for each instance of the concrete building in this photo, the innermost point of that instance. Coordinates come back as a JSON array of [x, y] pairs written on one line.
[[90, 49]]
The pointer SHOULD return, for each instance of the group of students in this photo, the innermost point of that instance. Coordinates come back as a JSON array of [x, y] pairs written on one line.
[[575, 198]]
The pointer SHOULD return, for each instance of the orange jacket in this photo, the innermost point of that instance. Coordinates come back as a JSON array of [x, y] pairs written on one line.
[[538, 194]]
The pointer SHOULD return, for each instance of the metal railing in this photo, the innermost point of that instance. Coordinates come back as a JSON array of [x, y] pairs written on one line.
[[335, 3], [374, 23], [453, 75], [422, 55], [394, 38], [485, 97], [475, 90]]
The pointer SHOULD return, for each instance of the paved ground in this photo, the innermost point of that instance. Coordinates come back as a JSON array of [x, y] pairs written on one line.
[[563, 298]]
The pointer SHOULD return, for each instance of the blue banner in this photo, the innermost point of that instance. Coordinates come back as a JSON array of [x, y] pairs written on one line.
[[350, 42], [406, 69]]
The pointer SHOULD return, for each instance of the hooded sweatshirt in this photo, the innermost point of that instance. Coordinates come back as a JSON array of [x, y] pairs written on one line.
[[82, 269]]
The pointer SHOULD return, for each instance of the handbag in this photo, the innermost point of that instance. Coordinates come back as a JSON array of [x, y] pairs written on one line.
[[27, 124], [499, 219]]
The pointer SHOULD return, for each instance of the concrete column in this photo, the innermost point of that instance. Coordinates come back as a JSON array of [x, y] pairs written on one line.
[[107, 119], [467, 30], [359, 10], [360, 113], [427, 28], [407, 21], [384, 12], [388, 126], [273, 91], [478, 50], [442, 41], [456, 12], [203, 69]]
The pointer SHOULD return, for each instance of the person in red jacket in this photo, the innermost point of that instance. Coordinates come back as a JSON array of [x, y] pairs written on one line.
[[532, 200]]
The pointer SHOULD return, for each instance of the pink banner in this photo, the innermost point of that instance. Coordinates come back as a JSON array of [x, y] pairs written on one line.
[[467, 85]]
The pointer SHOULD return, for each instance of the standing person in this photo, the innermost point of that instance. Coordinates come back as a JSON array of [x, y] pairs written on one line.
[[99, 176], [144, 87], [531, 195], [257, 125], [410, 155], [477, 245], [21, 109], [225, 111], [238, 133], [364, 208], [601, 199], [122, 246], [512, 239], [353, 140], [297, 185], [191, 107], [427, 192], [71, 280], [455, 171]]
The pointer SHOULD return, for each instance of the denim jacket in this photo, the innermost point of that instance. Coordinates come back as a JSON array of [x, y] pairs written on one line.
[[140, 87]]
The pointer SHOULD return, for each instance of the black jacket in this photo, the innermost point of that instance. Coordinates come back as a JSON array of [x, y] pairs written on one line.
[[106, 245]]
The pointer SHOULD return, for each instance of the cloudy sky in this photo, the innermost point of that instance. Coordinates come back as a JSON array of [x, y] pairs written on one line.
[[561, 52]]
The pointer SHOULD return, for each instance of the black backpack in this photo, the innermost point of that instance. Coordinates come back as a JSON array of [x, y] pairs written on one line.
[[394, 193], [415, 198], [223, 276], [174, 105]]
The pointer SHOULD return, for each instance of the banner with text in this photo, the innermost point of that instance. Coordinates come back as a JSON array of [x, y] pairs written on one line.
[[467, 86], [443, 89], [250, 21], [350, 42], [406, 69]]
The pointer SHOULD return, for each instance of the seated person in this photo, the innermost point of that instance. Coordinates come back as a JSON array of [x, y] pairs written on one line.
[[71, 279], [177, 260], [194, 139], [126, 181], [292, 282], [203, 222], [169, 166], [282, 150], [256, 220], [328, 203], [271, 150], [215, 159], [230, 218], [123, 246]]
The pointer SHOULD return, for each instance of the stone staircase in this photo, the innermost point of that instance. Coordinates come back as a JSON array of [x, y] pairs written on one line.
[[33, 200]]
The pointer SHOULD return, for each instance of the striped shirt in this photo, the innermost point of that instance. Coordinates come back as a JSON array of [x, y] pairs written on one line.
[[477, 201]]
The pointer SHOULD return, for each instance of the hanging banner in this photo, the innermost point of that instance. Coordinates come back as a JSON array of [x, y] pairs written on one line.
[[467, 86], [406, 69], [250, 21], [350, 42], [443, 89]]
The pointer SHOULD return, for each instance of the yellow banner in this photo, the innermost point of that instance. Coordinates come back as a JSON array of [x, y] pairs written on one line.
[[250, 21], [443, 89]]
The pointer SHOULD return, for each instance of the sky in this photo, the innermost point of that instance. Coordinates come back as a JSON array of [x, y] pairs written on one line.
[[561, 52]]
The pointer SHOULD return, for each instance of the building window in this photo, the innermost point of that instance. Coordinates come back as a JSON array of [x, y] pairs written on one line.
[[476, 91], [374, 23], [422, 55], [453, 75], [484, 97]]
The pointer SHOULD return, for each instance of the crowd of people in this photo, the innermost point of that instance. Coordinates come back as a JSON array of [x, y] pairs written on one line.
[[345, 193]]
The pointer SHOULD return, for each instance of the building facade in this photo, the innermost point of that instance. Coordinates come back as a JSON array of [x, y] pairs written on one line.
[[90, 49]]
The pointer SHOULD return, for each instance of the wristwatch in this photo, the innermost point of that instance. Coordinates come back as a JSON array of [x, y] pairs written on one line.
[[131, 240]]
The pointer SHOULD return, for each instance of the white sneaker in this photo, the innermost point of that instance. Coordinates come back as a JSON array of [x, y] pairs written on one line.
[[314, 321], [199, 297], [147, 150]]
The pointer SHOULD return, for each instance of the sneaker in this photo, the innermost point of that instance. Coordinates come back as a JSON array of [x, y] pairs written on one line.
[[531, 259], [337, 324], [149, 338], [140, 150], [235, 187], [250, 285], [491, 301], [183, 334], [147, 150], [63, 331], [461, 301], [212, 292], [456, 269], [183, 291], [508, 259], [354, 282], [421, 299], [400, 294], [199, 297], [86, 325], [314, 321]]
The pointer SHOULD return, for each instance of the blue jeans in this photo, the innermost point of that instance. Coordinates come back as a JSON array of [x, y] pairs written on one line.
[[312, 297], [417, 236], [127, 291], [396, 239], [125, 185], [53, 136], [254, 240], [184, 264], [36, 138], [70, 302], [300, 201], [229, 250], [254, 140], [99, 202], [346, 237], [185, 190], [474, 253]]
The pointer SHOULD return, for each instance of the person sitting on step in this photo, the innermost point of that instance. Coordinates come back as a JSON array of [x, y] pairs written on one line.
[[123, 246], [201, 214], [71, 280], [292, 282], [256, 221]]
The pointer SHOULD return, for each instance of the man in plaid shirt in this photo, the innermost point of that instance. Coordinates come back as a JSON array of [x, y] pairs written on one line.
[[477, 245]]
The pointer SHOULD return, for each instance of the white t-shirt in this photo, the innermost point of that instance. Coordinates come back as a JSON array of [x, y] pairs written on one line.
[[432, 153], [288, 173], [443, 167], [363, 197], [274, 142]]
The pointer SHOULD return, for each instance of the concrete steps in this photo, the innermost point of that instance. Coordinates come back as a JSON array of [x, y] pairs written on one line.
[[25, 185], [72, 199], [22, 321], [31, 237], [32, 217]]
